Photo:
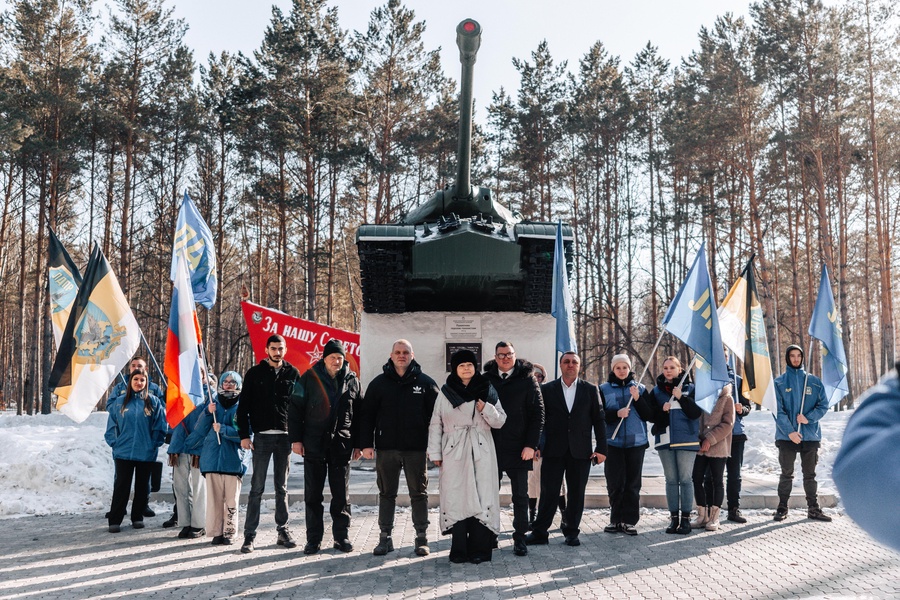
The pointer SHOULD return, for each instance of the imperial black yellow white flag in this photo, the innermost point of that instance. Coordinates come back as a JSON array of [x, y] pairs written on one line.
[[64, 283], [100, 337]]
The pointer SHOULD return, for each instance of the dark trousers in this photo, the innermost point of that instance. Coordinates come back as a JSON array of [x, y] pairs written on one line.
[[266, 447], [126, 470], [337, 470], [714, 468], [518, 480], [623, 469], [733, 465], [388, 464], [809, 458], [470, 539], [576, 472]]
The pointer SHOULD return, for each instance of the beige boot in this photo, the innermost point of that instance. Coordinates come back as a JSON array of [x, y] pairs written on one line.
[[702, 518], [713, 523]]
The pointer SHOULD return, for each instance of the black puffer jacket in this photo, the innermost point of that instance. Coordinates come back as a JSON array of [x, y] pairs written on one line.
[[321, 412], [520, 396], [397, 410]]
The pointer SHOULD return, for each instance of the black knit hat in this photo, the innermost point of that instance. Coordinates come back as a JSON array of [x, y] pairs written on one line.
[[787, 353], [463, 356], [332, 347]]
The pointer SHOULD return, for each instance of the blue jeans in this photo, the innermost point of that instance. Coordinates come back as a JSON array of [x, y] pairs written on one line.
[[678, 467], [268, 446]]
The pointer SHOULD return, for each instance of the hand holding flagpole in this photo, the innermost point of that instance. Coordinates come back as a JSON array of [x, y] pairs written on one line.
[[639, 381]]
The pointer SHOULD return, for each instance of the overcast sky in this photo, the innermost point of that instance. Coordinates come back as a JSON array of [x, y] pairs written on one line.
[[511, 29]]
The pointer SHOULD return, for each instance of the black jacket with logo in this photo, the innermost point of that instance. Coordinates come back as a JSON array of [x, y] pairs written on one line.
[[397, 410]]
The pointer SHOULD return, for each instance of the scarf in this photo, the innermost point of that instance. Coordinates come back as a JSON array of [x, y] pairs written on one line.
[[478, 389]]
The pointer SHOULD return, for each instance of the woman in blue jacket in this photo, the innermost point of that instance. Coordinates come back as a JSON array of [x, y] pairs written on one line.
[[627, 407], [135, 430], [222, 460], [676, 431]]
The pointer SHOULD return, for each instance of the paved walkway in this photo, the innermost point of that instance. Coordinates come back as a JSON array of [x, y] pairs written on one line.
[[758, 492], [72, 556]]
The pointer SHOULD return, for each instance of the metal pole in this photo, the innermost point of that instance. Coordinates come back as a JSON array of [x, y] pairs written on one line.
[[643, 373]]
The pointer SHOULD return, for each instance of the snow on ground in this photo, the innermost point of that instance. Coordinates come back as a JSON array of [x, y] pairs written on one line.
[[51, 465]]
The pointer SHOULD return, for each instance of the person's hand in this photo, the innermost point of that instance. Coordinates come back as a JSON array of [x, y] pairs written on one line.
[[597, 458], [634, 392], [357, 453], [211, 408], [704, 446], [479, 404], [217, 427], [676, 391], [173, 460], [297, 448], [623, 412], [801, 418], [437, 463], [368, 453], [246, 444], [527, 453], [738, 408], [795, 437], [667, 406], [537, 454]]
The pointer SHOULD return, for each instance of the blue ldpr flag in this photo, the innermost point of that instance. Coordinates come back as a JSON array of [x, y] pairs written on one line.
[[561, 305], [693, 319], [193, 235], [825, 326]]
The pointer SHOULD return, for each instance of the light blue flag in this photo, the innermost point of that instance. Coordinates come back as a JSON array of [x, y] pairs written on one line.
[[561, 305], [693, 319], [825, 326], [193, 235]]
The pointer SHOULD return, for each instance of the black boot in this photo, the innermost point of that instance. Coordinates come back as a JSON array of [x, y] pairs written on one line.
[[562, 512], [532, 512], [684, 525], [673, 523]]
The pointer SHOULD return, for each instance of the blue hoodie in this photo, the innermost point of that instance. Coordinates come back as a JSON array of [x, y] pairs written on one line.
[[788, 396], [135, 435]]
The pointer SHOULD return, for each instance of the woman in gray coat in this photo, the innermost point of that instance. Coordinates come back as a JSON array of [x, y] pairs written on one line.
[[460, 443]]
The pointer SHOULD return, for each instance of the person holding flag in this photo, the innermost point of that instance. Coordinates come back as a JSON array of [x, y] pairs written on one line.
[[135, 429], [801, 403], [676, 438]]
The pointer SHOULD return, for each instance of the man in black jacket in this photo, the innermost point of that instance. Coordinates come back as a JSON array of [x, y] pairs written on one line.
[[518, 439], [573, 408], [394, 420], [322, 431], [263, 412]]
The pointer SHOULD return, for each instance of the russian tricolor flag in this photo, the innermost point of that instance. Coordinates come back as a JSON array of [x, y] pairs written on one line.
[[182, 365]]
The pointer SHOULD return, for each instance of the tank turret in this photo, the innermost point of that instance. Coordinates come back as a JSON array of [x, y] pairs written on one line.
[[460, 250]]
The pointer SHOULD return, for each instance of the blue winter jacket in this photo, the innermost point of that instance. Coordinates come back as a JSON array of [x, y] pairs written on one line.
[[633, 431], [134, 435], [679, 428], [788, 396], [177, 444], [119, 389], [227, 457], [865, 470]]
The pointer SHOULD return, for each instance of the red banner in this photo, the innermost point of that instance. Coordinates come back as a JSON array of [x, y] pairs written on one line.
[[304, 339]]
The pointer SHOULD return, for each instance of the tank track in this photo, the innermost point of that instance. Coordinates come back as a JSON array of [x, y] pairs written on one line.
[[382, 268], [537, 258]]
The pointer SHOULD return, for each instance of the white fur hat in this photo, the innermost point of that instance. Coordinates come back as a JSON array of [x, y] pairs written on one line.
[[620, 358]]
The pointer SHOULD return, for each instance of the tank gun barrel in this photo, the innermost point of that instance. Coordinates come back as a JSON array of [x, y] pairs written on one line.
[[468, 39]]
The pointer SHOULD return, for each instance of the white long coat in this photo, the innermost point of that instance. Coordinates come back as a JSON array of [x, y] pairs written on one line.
[[469, 481]]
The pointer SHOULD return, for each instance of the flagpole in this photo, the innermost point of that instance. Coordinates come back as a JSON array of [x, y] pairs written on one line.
[[805, 379], [643, 373], [206, 385], [153, 358]]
